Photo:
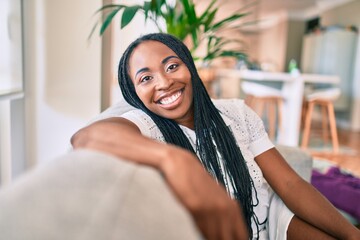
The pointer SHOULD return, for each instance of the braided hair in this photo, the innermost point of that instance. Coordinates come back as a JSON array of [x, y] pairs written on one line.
[[214, 140]]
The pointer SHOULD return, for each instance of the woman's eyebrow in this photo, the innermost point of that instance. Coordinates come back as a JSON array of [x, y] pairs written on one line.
[[165, 60], [141, 70]]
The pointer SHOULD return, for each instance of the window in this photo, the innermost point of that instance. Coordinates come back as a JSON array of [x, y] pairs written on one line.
[[10, 47], [11, 85]]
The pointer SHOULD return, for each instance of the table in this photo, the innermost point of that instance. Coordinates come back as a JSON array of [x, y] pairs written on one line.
[[292, 91]]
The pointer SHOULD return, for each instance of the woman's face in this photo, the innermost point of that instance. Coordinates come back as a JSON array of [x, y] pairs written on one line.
[[162, 81]]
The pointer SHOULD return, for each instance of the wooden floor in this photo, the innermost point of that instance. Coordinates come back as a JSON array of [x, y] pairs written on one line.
[[349, 155]]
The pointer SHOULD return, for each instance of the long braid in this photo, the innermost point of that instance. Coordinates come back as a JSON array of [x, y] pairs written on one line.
[[213, 137]]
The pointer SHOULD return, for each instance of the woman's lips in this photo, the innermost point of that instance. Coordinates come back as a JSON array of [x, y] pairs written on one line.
[[172, 100]]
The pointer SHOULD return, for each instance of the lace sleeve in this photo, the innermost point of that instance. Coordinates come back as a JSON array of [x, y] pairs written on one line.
[[141, 120], [259, 141]]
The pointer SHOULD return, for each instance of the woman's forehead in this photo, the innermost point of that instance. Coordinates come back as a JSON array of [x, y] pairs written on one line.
[[153, 47], [150, 52]]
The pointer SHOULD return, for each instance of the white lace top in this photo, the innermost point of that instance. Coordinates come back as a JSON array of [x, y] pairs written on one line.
[[246, 126]]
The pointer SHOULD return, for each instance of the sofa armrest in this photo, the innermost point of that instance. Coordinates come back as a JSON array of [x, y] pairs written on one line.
[[88, 195]]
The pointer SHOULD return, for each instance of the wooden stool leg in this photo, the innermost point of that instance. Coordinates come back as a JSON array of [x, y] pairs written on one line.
[[259, 109], [251, 101], [279, 108], [271, 118], [305, 137], [332, 120], [303, 113], [325, 132]]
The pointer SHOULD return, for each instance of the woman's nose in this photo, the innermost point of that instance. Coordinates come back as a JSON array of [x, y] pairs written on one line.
[[163, 82]]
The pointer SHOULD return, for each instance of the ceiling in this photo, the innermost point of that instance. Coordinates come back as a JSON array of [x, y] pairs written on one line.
[[269, 12], [303, 9]]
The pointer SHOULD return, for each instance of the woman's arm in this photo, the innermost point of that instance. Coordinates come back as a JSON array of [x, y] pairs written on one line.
[[121, 138], [302, 198], [214, 212]]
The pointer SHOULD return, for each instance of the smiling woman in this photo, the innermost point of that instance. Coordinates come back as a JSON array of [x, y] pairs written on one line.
[[214, 154], [162, 82]]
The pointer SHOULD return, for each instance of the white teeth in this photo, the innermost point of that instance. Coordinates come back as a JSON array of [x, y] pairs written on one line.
[[171, 99]]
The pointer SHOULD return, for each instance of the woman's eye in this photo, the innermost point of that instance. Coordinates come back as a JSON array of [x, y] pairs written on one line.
[[172, 67], [145, 79]]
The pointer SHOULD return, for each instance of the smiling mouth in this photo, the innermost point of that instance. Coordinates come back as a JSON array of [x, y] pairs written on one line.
[[171, 99]]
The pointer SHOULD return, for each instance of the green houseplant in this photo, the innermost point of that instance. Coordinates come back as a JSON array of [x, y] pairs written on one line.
[[184, 22]]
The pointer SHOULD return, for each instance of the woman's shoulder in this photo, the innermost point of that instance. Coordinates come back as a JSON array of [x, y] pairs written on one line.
[[139, 116], [229, 106], [228, 102], [125, 110]]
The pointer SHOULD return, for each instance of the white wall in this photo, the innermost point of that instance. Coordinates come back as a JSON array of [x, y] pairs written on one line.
[[62, 74], [267, 41], [123, 37], [348, 14], [273, 44]]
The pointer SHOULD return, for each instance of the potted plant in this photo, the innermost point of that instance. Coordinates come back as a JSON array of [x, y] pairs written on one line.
[[183, 21]]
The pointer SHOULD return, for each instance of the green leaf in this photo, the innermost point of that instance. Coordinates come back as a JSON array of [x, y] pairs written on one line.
[[209, 20], [105, 7], [93, 30], [156, 6], [189, 9], [207, 11], [235, 54], [182, 21], [195, 39], [246, 23], [147, 8], [109, 19], [248, 5], [128, 15], [228, 19]]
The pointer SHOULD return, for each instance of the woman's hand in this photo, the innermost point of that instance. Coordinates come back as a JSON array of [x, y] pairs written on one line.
[[214, 212]]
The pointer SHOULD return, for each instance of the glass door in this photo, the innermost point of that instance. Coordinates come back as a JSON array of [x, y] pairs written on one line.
[[11, 84]]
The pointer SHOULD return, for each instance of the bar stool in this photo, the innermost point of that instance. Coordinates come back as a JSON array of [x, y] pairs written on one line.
[[258, 97], [325, 99]]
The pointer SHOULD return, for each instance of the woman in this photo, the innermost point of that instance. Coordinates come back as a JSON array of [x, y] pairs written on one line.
[[158, 77]]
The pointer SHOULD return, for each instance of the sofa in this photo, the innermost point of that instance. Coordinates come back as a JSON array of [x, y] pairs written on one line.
[[88, 195]]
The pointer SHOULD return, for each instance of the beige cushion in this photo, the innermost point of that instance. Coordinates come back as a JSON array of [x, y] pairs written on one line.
[[87, 195]]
